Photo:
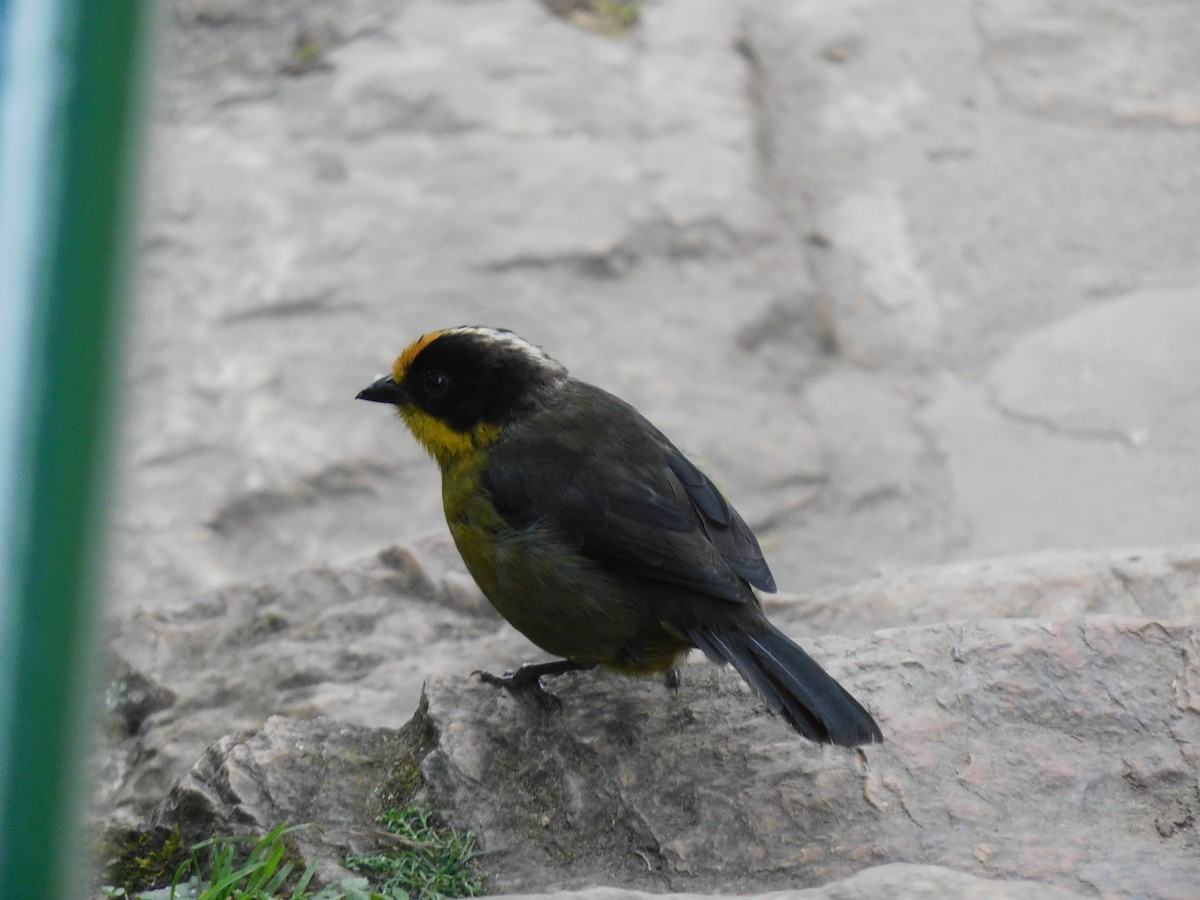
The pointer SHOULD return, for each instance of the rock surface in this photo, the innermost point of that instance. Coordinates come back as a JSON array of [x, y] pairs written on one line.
[[1158, 584], [357, 642], [897, 881], [1056, 751], [916, 288], [1060, 752]]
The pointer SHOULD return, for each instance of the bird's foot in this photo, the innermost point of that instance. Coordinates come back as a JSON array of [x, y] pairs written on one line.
[[672, 679], [527, 679], [517, 682]]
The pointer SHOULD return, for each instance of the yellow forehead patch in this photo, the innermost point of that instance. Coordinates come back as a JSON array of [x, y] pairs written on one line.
[[411, 352]]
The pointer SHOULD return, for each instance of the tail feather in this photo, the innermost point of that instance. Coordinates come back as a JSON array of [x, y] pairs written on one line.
[[791, 684]]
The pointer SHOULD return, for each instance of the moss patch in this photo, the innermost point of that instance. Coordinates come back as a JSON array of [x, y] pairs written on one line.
[[613, 18], [137, 860], [415, 740], [429, 860]]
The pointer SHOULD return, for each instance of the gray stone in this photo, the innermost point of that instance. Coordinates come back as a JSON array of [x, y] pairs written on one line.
[[896, 881], [1163, 585], [1061, 752], [356, 642], [724, 217], [1020, 486], [1122, 371], [1089, 66], [332, 775]]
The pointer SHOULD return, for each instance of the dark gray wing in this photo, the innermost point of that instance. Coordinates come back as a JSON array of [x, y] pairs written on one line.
[[728, 531], [626, 496]]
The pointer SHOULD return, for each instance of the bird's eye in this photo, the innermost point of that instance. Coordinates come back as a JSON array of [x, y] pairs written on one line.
[[436, 383]]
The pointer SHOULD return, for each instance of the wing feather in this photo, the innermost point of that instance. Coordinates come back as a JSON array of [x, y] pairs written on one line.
[[625, 495]]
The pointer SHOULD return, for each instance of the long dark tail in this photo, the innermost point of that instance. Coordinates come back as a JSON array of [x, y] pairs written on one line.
[[791, 683]]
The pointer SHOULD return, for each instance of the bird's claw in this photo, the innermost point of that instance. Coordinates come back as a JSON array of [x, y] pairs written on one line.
[[522, 681]]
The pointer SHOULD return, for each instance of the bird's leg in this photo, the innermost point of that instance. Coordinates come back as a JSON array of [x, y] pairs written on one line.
[[672, 679], [528, 677]]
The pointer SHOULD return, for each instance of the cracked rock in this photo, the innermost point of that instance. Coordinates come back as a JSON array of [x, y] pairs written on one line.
[[1061, 752]]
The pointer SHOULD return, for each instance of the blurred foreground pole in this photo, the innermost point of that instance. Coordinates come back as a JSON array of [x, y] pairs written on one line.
[[69, 84]]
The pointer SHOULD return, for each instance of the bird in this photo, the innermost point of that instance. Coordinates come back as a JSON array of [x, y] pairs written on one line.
[[592, 534]]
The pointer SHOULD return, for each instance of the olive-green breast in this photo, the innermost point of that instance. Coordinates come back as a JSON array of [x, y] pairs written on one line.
[[550, 592]]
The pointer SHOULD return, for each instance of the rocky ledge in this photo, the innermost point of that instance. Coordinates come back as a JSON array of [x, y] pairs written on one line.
[[1020, 754]]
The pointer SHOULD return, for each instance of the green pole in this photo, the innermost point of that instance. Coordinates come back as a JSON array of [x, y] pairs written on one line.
[[80, 179]]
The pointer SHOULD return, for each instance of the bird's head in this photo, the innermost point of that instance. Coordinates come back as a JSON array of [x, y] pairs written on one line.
[[458, 389]]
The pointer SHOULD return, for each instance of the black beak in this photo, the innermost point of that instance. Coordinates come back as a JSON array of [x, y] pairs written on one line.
[[385, 390]]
